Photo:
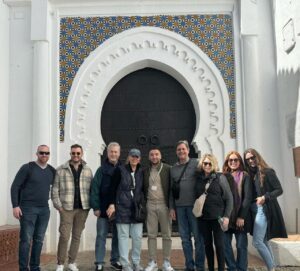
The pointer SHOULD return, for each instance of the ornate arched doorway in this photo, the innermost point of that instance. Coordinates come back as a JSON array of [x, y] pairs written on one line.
[[148, 108], [137, 49]]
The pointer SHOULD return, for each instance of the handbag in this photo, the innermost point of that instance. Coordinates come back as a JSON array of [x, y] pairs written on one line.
[[176, 184], [140, 210], [199, 203]]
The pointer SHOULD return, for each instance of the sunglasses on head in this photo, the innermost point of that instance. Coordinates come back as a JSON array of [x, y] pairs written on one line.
[[75, 153], [44, 153], [235, 160], [251, 158], [207, 164]]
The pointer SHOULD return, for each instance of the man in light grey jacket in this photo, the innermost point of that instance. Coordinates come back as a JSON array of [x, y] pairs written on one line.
[[181, 206], [70, 196]]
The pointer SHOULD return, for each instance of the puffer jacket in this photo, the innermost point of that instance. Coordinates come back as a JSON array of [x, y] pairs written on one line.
[[127, 193]]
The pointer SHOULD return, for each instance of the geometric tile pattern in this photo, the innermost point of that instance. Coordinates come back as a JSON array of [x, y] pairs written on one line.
[[79, 36]]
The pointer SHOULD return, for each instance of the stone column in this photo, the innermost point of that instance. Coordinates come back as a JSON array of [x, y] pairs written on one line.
[[41, 94], [250, 68], [4, 86], [41, 73], [40, 25], [297, 125], [251, 87]]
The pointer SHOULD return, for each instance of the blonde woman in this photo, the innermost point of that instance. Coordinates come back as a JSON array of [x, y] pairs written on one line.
[[218, 204]]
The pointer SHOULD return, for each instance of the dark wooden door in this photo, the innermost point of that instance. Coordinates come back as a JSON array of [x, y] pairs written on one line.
[[148, 108]]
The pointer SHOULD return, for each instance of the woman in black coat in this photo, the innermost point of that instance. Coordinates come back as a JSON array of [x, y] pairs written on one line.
[[268, 219], [217, 206], [240, 218]]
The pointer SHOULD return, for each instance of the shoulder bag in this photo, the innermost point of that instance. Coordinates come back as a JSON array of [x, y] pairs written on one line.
[[176, 184], [199, 203]]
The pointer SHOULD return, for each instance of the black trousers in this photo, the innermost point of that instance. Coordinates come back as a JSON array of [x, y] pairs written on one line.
[[212, 232]]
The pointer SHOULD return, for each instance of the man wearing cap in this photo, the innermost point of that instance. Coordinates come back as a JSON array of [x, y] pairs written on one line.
[[126, 190], [99, 202], [156, 189]]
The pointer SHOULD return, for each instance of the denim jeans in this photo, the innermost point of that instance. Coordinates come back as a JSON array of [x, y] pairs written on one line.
[[100, 247], [188, 225], [241, 262], [212, 233], [136, 233], [33, 225], [260, 241]]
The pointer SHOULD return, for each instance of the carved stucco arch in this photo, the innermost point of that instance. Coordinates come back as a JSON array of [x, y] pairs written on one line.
[[136, 49]]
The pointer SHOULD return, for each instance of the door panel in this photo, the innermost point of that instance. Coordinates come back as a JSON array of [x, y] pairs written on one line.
[[148, 108]]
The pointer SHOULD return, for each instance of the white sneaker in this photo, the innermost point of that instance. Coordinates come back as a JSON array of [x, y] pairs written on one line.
[[152, 266], [167, 266], [72, 267], [137, 267], [127, 268], [60, 267]]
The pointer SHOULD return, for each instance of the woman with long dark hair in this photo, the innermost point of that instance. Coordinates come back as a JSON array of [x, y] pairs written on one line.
[[268, 220], [240, 219]]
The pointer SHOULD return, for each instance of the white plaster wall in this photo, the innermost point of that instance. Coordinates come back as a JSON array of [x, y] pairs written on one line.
[[284, 11], [259, 84], [262, 112], [20, 96], [4, 91], [288, 85], [288, 78], [267, 101]]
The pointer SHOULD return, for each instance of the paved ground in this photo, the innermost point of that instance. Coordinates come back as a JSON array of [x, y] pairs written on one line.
[[86, 262]]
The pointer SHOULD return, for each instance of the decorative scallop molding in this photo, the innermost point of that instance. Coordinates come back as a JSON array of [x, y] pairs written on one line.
[[157, 48]]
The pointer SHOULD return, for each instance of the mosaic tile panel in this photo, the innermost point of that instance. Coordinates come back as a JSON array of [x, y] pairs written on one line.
[[80, 36]]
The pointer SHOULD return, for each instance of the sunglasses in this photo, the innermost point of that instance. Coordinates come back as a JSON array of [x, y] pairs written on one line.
[[207, 164], [75, 153], [251, 158], [235, 160], [44, 153]]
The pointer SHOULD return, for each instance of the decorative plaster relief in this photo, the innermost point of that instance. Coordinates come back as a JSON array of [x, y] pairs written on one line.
[[156, 48], [288, 34]]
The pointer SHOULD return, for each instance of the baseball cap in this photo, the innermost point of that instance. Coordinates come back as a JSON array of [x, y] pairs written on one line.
[[134, 152]]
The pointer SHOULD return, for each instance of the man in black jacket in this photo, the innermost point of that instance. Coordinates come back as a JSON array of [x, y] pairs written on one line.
[[99, 202], [29, 196]]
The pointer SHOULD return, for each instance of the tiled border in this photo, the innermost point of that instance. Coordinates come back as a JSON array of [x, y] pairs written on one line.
[[80, 36]]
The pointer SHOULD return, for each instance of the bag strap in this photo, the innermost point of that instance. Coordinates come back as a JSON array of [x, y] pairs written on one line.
[[185, 166], [206, 187], [209, 182]]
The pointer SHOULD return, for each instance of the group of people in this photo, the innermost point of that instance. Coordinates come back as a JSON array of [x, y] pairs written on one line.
[[239, 200]]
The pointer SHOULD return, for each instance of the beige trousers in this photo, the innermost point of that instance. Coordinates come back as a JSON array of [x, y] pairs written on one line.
[[158, 213], [70, 221]]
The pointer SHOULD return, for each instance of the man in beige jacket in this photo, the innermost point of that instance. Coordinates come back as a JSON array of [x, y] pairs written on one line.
[[70, 196]]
